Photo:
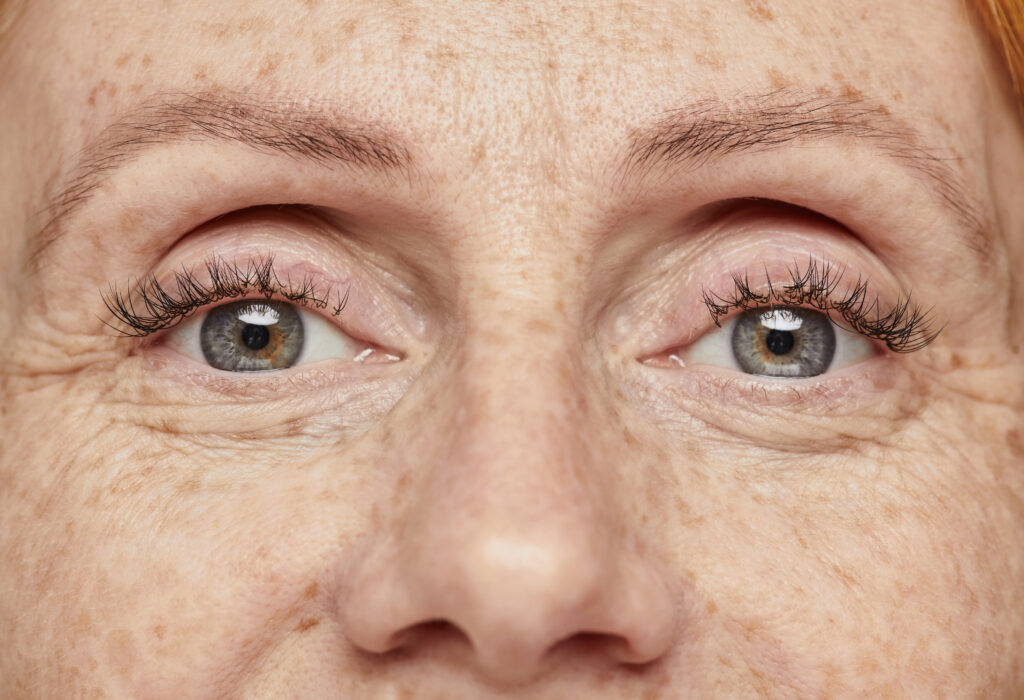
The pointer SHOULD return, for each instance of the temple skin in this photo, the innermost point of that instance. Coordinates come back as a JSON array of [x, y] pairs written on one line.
[[516, 492]]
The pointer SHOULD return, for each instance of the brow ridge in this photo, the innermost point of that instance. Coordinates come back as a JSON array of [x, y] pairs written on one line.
[[314, 133], [697, 134]]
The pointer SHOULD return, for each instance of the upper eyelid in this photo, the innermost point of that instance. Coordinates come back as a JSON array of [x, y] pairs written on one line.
[[905, 327], [163, 309]]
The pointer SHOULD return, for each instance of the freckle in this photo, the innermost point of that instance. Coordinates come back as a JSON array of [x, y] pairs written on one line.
[[321, 54], [578, 259], [402, 483], [581, 77], [897, 96], [479, 152], [120, 651], [122, 60], [136, 88], [629, 438], [269, 65], [711, 607], [147, 61], [851, 93], [159, 631], [710, 59], [1015, 441], [307, 623], [311, 591], [883, 110], [778, 80], [957, 361], [539, 326], [759, 10]]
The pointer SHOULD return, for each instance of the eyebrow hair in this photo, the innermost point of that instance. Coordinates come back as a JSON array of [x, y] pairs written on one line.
[[299, 131], [702, 132]]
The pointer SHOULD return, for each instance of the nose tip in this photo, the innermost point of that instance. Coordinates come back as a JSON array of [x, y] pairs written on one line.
[[517, 601]]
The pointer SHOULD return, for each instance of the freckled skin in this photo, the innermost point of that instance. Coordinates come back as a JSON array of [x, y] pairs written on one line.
[[518, 507]]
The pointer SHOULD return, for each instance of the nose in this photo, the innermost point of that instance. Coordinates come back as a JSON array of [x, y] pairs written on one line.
[[515, 550]]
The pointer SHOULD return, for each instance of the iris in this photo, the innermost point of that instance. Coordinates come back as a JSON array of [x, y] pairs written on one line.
[[250, 336], [784, 342]]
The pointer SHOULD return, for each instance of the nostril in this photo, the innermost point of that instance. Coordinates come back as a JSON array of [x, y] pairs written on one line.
[[432, 637], [599, 647]]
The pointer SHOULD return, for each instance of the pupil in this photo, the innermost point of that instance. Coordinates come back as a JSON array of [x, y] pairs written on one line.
[[255, 337], [779, 342]]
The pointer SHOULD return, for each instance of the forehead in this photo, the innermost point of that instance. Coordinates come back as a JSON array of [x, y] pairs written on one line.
[[496, 65], [541, 91]]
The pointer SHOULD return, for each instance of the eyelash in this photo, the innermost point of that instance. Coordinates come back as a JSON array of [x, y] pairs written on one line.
[[905, 328], [164, 309]]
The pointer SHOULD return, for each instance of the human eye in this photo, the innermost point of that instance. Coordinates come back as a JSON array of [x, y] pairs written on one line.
[[806, 326], [261, 323], [780, 341]]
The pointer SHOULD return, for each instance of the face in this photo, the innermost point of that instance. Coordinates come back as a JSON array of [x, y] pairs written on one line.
[[433, 350]]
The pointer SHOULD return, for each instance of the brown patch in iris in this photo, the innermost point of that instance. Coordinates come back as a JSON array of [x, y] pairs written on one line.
[[759, 9]]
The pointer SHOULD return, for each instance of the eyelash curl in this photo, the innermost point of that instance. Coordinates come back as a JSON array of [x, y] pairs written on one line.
[[152, 307], [904, 328]]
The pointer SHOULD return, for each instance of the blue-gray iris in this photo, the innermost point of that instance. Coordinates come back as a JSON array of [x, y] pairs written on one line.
[[251, 336], [783, 342]]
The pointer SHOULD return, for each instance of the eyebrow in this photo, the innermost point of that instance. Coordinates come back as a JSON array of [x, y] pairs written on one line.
[[702, 132], [303, 131]]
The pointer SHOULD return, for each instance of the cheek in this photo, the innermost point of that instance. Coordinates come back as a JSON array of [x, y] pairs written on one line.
[[886, 569], [139, 555]]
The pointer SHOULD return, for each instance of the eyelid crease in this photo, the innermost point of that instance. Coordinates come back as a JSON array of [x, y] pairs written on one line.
[[904, 328], [162, 309]]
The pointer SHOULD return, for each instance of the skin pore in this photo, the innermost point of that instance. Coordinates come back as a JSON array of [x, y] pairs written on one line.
[[512, 474]]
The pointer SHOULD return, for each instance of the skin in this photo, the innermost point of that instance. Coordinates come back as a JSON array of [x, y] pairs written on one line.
[[532, 501]]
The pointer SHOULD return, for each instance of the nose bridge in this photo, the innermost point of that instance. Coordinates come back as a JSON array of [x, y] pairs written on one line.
[[517, 457], [514, 536], [509, 540], [521, 420]]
